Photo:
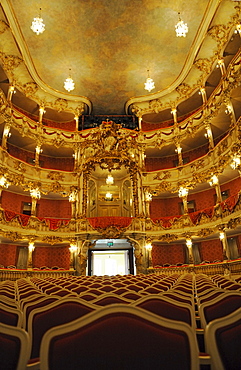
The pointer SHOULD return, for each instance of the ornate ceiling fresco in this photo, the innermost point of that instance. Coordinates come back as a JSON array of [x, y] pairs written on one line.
[[109, 46]]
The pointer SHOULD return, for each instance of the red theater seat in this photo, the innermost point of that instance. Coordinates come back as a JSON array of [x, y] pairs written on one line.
[[120, 337]]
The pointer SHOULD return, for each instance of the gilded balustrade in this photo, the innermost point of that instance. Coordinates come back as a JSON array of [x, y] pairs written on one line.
[[234, 267]]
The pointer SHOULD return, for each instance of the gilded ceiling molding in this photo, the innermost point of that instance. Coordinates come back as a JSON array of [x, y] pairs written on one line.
[[220, 34], [43, 92]]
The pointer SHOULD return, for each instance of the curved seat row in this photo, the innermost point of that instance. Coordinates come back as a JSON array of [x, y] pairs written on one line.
[[40, 312]]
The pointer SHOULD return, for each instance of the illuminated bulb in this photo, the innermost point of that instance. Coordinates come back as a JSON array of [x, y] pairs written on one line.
[[148, 246], [189, 243], [214, 180], [3, 182], [73, 248], [183, 192], [31, 247], [236, 162], [35, 193]]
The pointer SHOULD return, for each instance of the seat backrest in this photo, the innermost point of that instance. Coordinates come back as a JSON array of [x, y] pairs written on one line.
[[15, 347], [10, 316], [120, 337], [223, 338], [57, 313], [220, 306], [168, 308], [32, 305]]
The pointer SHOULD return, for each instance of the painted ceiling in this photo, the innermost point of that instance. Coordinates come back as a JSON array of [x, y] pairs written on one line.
[[109, 45]]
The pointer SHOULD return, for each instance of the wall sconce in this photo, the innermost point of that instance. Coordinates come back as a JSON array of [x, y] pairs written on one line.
[[178, 150], [214, 180], [148, 197], [4, 183], [148, 246], [221, 235], [173, 111], [72, 197], [73, 248], [228, 109], [235, 162], [38, 150], [219, 63], [35, 193], [189, 242], [238, 29], [183, 192], [7, 132], [31, 246]]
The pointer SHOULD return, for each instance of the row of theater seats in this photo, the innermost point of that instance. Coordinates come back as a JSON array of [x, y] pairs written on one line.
[[121, 322]]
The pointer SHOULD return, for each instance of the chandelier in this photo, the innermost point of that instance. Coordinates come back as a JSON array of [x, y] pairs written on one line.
[[109, 180], [181, 28], [37, 25], [108, 196], [69, 83], [149, 84]]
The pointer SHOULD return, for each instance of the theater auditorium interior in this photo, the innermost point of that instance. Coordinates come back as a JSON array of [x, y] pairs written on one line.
[[120, 188]]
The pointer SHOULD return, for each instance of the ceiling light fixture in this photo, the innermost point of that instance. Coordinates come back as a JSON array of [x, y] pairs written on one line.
[[69, 83], [181, 28], [108, 196], [149, 84], [109, 180], [37, 24]]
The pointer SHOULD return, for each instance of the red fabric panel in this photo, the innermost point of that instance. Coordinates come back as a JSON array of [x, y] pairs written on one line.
[[51, 256], [53, 223], [54, 208], [104, 222], [211, 250], [169, 253], [8, 254]]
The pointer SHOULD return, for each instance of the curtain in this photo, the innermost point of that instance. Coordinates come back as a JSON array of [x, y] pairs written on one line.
[[196, 254], [22, 258]]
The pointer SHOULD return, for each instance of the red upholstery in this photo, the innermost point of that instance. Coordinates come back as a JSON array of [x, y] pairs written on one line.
[[53, 316], [166, 309], [222, 308], [228, 340], [9, 318], [10, 351], [120, 342]]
